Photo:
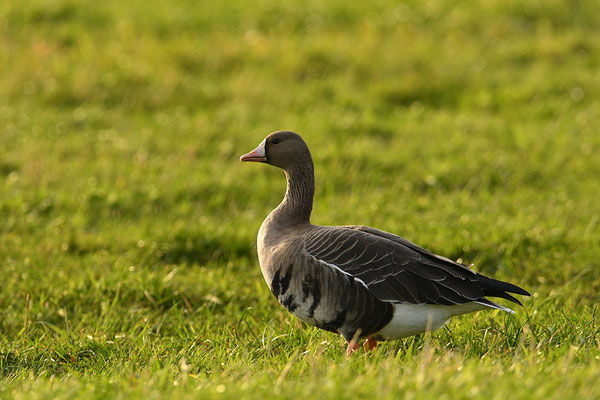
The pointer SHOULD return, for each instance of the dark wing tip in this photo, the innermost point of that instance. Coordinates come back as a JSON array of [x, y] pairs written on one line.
[[511, 288]]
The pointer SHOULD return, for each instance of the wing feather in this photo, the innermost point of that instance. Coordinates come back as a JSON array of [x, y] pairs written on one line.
[[396, 270]]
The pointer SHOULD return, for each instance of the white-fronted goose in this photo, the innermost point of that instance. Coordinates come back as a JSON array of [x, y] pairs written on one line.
[[355, 280]]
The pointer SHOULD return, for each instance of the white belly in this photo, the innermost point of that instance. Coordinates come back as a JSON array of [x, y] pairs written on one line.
[[412, 319]]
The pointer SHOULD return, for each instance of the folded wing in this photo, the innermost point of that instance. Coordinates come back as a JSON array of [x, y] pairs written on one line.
[[397, 270]]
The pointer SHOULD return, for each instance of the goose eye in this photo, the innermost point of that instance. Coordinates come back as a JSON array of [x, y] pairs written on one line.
[[275, 141]]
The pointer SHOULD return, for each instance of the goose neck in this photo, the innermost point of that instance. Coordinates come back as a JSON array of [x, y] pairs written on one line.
[[298, 201]]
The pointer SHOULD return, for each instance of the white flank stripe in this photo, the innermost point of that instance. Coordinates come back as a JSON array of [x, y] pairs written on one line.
[[496, 307], [340, 270]]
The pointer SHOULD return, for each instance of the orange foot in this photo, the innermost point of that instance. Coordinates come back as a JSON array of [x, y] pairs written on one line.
[[353, 345], [370, 344]]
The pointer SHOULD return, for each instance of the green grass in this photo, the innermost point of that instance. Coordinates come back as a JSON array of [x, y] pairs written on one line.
[[128, 225]]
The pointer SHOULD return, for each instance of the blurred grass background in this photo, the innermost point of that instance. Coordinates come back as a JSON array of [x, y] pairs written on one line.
[[128, 225]]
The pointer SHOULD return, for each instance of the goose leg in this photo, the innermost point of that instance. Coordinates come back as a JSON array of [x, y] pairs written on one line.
[[352, 347], [354, 343], [370, 344]]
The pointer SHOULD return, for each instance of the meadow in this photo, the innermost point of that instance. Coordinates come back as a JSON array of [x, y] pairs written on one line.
[[128, 264]]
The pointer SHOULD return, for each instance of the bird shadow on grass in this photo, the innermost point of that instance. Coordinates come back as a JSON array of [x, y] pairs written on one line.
[[193, 246]]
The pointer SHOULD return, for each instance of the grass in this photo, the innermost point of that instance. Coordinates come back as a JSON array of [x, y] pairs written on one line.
[[127, 225]]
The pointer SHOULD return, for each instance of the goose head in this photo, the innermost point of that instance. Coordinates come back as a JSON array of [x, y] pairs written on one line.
[[283, 149]]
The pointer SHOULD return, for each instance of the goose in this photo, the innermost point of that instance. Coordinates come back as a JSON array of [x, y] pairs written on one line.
[[358, 281]]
